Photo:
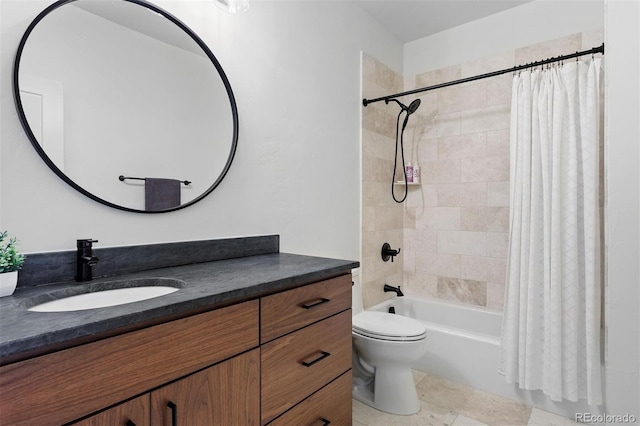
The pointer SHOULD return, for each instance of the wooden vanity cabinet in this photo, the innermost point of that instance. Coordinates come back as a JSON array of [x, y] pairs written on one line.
[[65, 386], [284, 358]]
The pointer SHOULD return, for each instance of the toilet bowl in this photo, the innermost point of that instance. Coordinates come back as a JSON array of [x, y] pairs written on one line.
[[385, 346]]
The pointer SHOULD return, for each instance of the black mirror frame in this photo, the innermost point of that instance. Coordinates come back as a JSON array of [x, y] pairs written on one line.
[[60, 173]]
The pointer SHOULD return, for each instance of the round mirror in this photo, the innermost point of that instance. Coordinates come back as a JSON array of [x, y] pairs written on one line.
[[125, 103]]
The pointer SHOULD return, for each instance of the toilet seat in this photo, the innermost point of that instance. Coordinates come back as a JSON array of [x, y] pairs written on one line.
[[389, 327]]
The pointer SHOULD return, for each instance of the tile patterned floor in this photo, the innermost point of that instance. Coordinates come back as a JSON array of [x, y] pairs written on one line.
[[445, 403]]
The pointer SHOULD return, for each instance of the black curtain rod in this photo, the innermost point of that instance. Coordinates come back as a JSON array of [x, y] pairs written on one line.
[[599, 49], [122, 178]]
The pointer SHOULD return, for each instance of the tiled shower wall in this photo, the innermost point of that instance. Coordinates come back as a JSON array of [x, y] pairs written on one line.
[[454, 226], [382, 218]]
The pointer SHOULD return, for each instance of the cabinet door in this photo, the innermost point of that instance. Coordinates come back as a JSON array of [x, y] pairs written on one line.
[[225, 394], [131, 413]]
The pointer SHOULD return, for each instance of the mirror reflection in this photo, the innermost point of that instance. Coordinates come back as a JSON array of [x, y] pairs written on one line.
[[115, 88]]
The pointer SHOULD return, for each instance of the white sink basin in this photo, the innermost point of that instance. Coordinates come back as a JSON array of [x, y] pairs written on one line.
[[103, 299]]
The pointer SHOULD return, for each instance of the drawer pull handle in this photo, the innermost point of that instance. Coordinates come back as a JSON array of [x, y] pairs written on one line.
[[318, 303], [324, 421], [129, 423], [322, 356], [174, 413]]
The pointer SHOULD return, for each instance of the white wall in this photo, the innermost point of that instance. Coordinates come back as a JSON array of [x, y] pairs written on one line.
[[622, 144], [520, 26], [295, 70]]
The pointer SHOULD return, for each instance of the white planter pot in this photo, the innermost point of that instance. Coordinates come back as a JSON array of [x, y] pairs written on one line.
[[8, 282]]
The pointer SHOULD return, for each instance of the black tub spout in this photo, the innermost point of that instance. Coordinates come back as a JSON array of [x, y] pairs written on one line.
[[396, 290]]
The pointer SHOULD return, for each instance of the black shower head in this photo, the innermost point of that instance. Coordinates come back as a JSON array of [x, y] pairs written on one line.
[[413, 106]]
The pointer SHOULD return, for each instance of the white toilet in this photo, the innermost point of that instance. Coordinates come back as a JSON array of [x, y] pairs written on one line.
[[385, 346]]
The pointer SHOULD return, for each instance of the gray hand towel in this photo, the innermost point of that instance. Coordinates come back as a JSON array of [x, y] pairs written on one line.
[[161, 194]]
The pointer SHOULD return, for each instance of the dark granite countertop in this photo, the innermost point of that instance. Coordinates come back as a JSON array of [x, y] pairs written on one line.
[[204, 286]]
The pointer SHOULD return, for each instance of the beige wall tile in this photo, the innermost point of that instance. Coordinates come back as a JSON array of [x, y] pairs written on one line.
[[462, 242], [421, 285], [375, 145], [378, 121], [425, 195], [368, 219], [424, 240], [408, 218], [462, 146], [372, 293], [498, 194], [557, 47], [440, 171], [488, 64], [461, 194], [489, 219], [497, 244], [484, 169], [427, 151], [370, 249], [462, 97], [389, 218], [376, 72], [371, 90], [368, 269], [438, 126], [495, 117], [441, 264], [465, 291], [499, 90], [480, 268], [377, 170], [428, 104], [495, 295], [498, 143], [441, 218], [408, 258], [593, 38], [375, 194], [438, 76]]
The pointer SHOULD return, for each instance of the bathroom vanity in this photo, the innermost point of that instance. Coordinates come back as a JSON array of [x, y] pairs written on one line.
[[254, 340]]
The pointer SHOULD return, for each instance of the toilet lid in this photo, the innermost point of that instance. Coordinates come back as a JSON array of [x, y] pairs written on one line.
[[388, 326]]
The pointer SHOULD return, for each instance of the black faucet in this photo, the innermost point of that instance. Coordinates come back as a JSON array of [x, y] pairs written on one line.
[[85, 260], [396, 290], [387, 252]]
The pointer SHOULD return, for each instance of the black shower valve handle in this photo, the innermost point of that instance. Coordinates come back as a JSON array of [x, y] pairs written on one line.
[[388, 253]]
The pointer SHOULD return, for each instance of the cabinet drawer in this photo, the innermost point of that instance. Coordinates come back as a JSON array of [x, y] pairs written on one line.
[[298, 364], [66, 385], [330, 404], [290, 310]]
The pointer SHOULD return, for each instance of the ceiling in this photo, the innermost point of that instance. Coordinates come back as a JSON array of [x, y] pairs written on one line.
[[410, 20]]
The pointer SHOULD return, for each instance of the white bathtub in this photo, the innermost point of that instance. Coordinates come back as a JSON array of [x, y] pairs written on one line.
[[462, 346]]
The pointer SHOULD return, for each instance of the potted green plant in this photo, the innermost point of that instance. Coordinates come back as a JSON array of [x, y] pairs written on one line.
[[10, 261]]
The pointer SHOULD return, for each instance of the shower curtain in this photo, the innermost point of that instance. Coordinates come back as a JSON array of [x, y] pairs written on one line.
[[551, 323]]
